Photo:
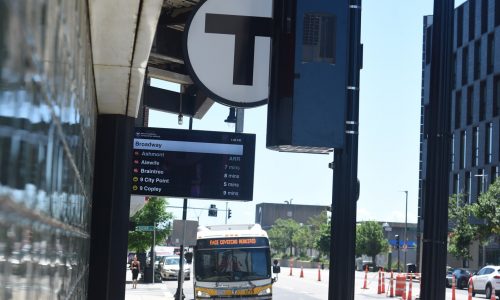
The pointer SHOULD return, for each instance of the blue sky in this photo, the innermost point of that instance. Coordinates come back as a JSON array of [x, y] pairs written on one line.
[[389, 129]]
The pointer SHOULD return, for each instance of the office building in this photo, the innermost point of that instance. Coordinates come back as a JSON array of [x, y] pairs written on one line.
[[475, 110], [267, 213]]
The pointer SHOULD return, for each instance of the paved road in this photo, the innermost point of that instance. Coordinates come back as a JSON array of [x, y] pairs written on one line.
[[309, 288], [188, 288]]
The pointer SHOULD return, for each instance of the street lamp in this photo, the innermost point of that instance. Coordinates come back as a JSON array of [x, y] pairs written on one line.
[[387, 228], [483, 179], [397, 245], [483, 189], [405, 241], [289, 213]]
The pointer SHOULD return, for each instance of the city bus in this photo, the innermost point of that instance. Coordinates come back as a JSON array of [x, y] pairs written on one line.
[[232, 261]]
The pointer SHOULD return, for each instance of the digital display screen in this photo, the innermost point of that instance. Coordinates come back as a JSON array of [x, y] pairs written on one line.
[[233, 242], [193, 164]]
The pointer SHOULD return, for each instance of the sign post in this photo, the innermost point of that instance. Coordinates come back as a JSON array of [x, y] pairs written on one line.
[[147, 228], [437, 130], [144, 228], [153, 254], [345, 184], [179, 294]]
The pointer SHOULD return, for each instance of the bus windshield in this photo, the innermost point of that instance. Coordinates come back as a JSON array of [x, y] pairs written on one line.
[[218, 265]]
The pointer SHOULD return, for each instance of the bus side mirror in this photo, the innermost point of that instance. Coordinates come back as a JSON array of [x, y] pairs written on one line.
[[276, 269]]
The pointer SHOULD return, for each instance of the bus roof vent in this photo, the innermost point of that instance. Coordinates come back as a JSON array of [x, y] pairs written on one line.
[[230, 227]]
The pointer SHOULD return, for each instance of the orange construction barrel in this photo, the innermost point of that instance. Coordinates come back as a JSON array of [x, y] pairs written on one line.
[[400, 285]]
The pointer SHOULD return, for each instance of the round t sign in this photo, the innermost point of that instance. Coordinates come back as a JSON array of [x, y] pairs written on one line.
[[227, 49]]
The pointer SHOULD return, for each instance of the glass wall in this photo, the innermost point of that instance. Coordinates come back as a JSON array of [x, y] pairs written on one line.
[[47, 131]]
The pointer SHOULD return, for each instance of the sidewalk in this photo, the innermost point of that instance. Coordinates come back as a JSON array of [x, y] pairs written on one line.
[[146, 291]]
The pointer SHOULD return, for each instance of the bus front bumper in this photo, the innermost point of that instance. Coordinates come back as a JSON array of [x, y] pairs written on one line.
[[266, 297], [258, 293]]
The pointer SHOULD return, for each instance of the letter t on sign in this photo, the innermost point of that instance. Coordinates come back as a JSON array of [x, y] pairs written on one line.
[[245, 29]]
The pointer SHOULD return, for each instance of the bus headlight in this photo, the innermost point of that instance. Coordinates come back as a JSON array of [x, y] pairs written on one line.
[[265, 292], [202, 294]]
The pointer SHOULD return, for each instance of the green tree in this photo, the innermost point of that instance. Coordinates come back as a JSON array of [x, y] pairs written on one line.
[[370, 239], [155, 211], [323, 239], [306, 237], [281, 234], [463, 232], [487, 208], [316, 222], [303, 239]]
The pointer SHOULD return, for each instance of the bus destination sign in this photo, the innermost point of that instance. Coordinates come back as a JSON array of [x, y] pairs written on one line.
[[233, 242]]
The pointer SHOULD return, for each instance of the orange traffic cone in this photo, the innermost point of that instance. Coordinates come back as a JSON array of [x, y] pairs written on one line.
[[403, 296], [291, 267], [366, 277], [379, 289], [493, 293], [383, 281], [410, 288], [319, 273], [301, 272], [391, 286], [453, 292], [470, 289]]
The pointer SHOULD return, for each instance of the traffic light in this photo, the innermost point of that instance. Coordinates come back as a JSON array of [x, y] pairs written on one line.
[[229, 214], [212, 211], [397, 241]]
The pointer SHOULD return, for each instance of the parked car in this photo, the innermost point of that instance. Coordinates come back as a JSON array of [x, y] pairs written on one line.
[[484, 281], [372, 267], [168, 267], [461, 278], [411, 268]]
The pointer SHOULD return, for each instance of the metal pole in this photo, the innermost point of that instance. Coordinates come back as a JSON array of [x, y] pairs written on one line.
[[406, 230], [389, 261], [437, 131], [179, 294], [226, 214], [399, 248], [419, 234], [240, 118], [345, 172], [153, 256], [483, 188], [238, 128]]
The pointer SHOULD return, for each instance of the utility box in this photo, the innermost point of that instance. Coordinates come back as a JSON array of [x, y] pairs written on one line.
[[308, 90]]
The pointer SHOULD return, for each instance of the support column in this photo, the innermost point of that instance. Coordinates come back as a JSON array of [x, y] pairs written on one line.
[[110, 207], [345, 174], [437, 130]]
